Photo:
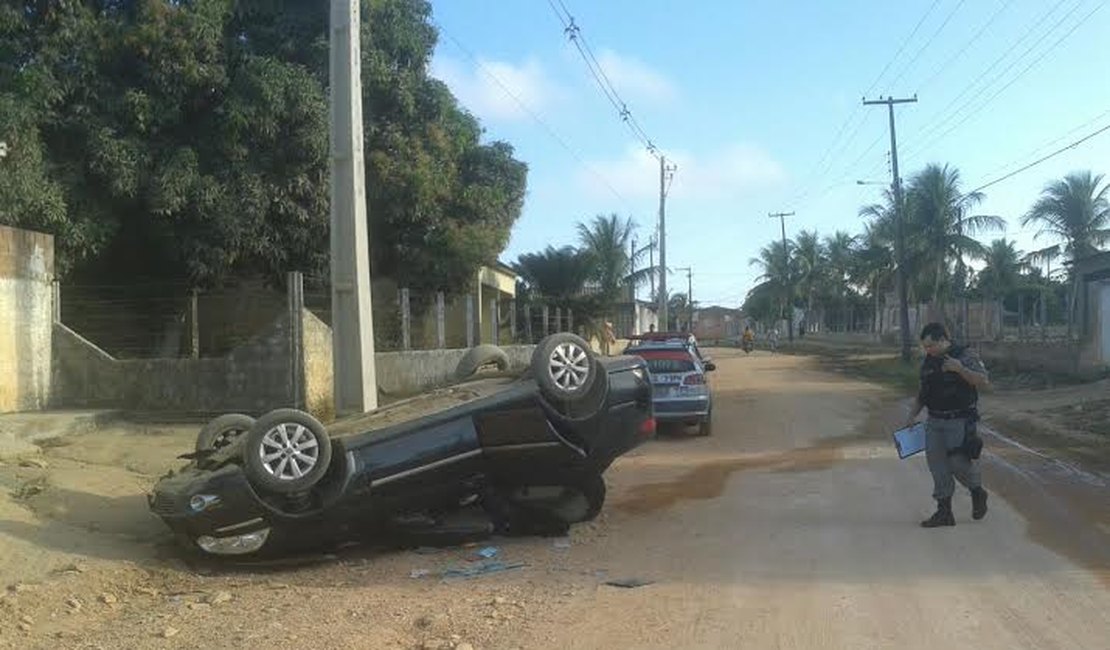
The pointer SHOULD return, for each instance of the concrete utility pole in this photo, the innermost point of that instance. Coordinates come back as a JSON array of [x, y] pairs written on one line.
[[665, 172], [355, 380], [900, 237], [781, 216]]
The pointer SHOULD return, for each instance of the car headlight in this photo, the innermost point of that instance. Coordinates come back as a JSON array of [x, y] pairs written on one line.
[[200, 502], [235, 544]]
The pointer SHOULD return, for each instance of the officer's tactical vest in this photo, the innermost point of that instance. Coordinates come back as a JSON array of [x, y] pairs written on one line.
[[946, 391]]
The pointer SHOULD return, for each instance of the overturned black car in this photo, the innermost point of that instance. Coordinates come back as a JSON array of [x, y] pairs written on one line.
[[522, 454]]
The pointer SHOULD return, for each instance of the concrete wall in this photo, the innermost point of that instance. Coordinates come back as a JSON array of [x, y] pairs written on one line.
[[26, 316], [254, 378], [319, 398]]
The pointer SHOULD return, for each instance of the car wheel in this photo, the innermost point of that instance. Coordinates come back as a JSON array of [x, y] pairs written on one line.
[[565, 367], [286, 451], [479, 356], [223, 431], [706, 426]]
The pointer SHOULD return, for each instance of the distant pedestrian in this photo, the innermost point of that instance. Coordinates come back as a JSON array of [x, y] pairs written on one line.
[[773, 338], [951, 376]]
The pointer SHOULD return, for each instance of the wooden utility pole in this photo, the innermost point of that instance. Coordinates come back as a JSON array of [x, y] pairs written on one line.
[[899, 218]]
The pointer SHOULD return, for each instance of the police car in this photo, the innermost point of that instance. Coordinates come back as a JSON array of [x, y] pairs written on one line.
[[679, 377]]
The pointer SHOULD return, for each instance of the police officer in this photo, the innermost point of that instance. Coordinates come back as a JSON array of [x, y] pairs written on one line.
[[950, 378]]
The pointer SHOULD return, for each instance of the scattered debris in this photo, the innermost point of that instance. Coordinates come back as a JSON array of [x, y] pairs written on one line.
[[464, 646], [24, 627], [108, 599], [219, 597], [427, 550], [73, 567], [488, 552], [26, 618], [481, 569], [37, 463], [199, 606], [74, 604], [419, 573], [630, 583], [563, 542], [169, 632]]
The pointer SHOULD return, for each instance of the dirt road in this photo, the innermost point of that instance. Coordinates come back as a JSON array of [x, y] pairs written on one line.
[[794, 526]]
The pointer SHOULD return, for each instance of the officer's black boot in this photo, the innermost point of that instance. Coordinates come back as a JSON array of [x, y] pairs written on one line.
[[978, 503], [942, 517]]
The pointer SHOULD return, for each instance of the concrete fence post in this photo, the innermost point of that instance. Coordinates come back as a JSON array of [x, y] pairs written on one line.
[[441, 321], [406, 321], [469, 320], [528, 323], [570, 320], [56, 297], [295, 289], [494, 320], [512, 320], [558, 319], [194, 325], [546, 320]]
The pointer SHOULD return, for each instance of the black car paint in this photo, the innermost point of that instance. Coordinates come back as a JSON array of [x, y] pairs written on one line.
[[511, 437]]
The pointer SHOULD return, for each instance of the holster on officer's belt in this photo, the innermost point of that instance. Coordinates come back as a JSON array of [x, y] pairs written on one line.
[[972, 446]]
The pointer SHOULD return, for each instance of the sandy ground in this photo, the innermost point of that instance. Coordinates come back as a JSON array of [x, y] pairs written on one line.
[[794, 526]]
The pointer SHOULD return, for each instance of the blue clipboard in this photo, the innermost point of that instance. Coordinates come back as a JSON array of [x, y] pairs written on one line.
[[910, 441]]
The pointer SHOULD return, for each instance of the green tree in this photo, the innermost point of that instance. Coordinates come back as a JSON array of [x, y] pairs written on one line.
[[809, 266], [1076, 212], [940, 224], [189, 140]]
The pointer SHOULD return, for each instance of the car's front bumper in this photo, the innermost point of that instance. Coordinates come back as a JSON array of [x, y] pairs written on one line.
[[215, 511]]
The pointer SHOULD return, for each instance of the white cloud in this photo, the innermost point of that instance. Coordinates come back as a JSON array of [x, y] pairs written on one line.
[[733, 171], [490, 100], [634, 80]]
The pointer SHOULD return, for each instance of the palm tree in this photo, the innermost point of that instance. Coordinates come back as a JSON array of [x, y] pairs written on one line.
[[1076, 212], [605, 242], [839, 253], [808, 259], [938, 216], [1002, 275], [774, 262], [557, 275]]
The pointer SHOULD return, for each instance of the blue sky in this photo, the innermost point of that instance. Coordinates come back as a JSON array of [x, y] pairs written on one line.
[[749, 99]]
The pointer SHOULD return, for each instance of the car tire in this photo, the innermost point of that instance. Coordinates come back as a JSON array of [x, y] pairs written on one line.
[[286, 451], [565, 367], [480, 356], [223, 431], [705, 429]]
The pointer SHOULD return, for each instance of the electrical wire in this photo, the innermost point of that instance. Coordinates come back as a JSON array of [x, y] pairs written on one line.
[[1025, 71], [581, 44], [931, 129], [1042, 159], [533, 114]]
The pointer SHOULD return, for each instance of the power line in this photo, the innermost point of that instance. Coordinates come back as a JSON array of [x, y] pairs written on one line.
[[1051, 48], [1047, 145], [966, 46], [818, 170], [1042, 159], [574, 33], [936, 126], [527, 109], [927, 43]]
